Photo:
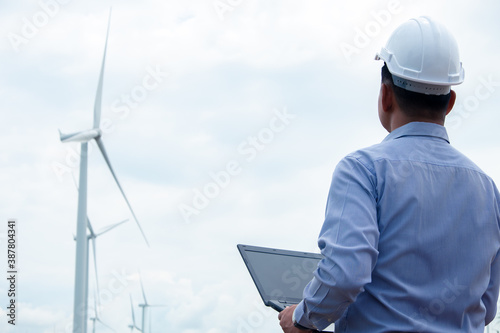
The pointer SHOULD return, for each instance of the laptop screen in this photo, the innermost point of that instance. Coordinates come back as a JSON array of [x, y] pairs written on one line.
[[280, 274]]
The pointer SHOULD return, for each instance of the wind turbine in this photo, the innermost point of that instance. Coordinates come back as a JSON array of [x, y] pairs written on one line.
[[145, 306], [92, 236], [133, 325], [81, 266], [96, 317]]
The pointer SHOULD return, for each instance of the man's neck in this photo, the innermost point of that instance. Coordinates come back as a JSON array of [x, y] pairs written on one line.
[[400, 119]]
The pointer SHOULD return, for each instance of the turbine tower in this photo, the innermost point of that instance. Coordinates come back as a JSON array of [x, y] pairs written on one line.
[[80, 304], [92, 237]]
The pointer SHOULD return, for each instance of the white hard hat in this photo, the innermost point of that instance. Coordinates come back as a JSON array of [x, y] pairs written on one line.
[[422, 56]]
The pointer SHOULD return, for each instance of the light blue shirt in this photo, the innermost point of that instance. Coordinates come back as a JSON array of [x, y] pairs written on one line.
[[410, 239]]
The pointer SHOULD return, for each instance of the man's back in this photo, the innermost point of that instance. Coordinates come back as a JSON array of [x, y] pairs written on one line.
[[438, 235], [411, 233]]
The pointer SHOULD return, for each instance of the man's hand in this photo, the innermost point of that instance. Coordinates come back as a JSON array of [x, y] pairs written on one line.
[[285, 318]]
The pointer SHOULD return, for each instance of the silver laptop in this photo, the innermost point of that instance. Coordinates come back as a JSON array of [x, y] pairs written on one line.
[[279, 275]]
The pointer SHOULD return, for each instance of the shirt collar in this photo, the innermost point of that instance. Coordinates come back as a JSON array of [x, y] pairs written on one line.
[[419, 129]]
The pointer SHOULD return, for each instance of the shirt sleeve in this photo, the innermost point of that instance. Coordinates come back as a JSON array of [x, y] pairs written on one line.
[[490, 297], [348, 240]]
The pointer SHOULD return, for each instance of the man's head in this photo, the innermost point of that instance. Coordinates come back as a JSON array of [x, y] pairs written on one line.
[[421, 62]]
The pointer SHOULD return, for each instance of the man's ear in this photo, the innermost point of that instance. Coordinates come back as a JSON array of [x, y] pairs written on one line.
[[387, 98], [451, 103]]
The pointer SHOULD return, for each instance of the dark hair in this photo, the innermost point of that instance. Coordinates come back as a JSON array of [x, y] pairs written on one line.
[[415, 104]]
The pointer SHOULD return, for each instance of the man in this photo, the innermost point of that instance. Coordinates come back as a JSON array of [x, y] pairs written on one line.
[[411, 235]]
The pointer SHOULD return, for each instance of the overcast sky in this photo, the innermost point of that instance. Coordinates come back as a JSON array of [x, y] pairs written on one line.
[[223, 120]]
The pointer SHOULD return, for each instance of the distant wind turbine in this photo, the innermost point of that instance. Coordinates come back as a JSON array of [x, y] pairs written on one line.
[[92, 237], [96, 317], [80, 305], [133, 325], [145, 306]]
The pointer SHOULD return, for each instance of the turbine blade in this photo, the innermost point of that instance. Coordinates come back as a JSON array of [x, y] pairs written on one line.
[[95, 268], [98, 96], [66, 137], [105, 325], [95, 305], [143, 293], [100, 144], [132, 308], [89, 225], [109, 227]]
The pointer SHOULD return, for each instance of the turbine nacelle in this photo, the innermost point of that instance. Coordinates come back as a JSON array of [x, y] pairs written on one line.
[[82, 136]]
